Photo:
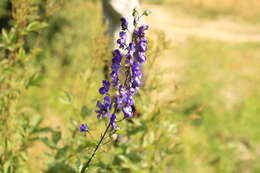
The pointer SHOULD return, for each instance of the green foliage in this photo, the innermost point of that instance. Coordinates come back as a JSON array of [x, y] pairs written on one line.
[[20, 125]]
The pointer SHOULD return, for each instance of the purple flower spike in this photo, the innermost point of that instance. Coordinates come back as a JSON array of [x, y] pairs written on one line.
[[83, 128], [126, 75]]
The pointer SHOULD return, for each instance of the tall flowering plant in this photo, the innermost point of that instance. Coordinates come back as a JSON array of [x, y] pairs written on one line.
[[125, 78]]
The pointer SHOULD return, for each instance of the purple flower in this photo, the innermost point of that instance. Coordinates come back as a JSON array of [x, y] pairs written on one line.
[[136, 69], [83, 128], [104, 108], [129, 101], [128, 111], [113, 121], [116, 67], [124, 23], [136, 82], [141, 29], [117, 56], [106, 85], [115, 79], [141, 57], [130, 54], [142, 46], [122, 40]]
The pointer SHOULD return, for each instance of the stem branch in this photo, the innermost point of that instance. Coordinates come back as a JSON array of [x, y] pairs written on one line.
[[86, 165]]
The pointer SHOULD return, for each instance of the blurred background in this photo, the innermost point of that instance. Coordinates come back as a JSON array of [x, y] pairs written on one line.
[[199, 109]]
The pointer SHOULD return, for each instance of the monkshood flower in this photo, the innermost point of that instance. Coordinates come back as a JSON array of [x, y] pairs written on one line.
[[104, 108], [106, 85], [83, 128], [113, 121], [124, 23], [126, 76], [122, 40]]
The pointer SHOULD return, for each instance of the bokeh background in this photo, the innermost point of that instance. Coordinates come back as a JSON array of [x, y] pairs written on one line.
[[199, 109]]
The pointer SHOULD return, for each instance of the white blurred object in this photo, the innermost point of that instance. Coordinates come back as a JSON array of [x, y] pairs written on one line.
[[115, 9]]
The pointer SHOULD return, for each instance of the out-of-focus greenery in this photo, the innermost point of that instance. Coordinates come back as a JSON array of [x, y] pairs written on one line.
[[210, 124], [219, 107]]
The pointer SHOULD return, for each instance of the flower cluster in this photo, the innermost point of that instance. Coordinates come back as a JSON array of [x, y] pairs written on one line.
[[126, 76], [83, 128]]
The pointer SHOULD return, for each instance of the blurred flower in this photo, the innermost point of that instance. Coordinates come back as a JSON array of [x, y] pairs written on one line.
[[106, 85], [124, 23], [122, 39], [83, 128], [113, 121], [104, 108]]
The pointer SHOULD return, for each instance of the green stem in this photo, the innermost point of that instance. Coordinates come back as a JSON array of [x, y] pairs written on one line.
[[86, 165]]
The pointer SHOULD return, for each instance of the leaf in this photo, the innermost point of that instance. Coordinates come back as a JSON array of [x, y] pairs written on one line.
[[79, 165], [5, 36], [2, 45], [48, 143], [21, 53], [34, 80], [35, 26], [7, 166], [87, 144], [134, 157], [147, 12], [12, 36], [56, 136], [85, 111], [35, 124], [67, 98], [62, 152], [42, 130]]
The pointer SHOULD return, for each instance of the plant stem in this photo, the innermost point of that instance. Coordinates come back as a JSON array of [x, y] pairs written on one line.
[[86, 165]]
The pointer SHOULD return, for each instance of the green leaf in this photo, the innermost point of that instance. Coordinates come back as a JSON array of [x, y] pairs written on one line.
[[35, 26], [12, 36], [5, 36], [21, 53], [48, 143], [62, 152], [147, 12], [7, 166], [67, 98], [85, 111], [56, 136], [42, 130], [79, 165], [34, 80], [87, 144], [134, 156]]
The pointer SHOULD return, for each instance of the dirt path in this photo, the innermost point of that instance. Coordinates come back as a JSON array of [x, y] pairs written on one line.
[[179, 27]]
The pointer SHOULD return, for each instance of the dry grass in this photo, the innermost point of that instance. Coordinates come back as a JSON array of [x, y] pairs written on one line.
[[239, 9]]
